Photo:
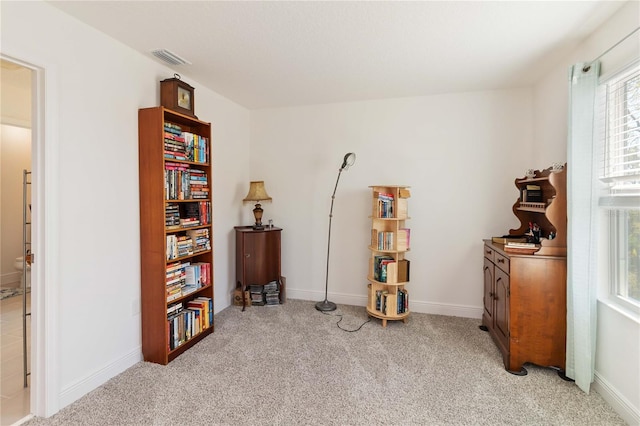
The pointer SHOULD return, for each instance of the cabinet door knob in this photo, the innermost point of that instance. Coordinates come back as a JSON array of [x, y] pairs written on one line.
[[500, 260], [247, 255]]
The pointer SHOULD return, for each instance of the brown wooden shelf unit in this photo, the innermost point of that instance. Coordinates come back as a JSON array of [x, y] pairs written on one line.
[[176, 232]]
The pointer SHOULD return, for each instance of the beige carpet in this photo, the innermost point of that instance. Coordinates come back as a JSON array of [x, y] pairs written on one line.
[[291, 365]]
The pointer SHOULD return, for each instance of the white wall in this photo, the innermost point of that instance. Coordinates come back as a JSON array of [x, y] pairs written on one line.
[[460, 153], [15, 156], [618, 333], [98, 87]]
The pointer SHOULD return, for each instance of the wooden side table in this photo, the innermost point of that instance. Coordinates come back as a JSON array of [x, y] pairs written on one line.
[[258, 258]]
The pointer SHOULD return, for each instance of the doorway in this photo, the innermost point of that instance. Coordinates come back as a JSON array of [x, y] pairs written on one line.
[[16, 82]]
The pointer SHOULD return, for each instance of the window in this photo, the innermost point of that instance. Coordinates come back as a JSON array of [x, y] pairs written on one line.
[[620, 173]]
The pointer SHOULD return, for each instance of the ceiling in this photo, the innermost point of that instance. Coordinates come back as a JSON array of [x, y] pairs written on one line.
[[290, 53]]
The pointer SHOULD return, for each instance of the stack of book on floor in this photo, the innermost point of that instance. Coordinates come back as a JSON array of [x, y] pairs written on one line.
[[257, 296], [272, 293]]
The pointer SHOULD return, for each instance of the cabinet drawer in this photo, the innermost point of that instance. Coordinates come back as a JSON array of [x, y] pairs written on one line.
[[501, 262], [489, 253]]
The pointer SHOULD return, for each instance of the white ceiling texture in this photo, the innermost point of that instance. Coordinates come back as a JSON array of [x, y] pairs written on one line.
[[263, 54]]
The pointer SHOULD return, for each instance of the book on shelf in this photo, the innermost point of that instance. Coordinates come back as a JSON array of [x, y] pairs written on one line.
[[203, 307], [520, 244], [196, 146], [521, 250], [404, 239], [379, 267], [402, 301], [508, 239], [209, 309], [381, 299], [185, 323], [531, 194], [384, 240], [384, 204]]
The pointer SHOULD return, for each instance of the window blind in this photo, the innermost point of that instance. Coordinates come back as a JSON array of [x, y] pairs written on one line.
[[619, 163]]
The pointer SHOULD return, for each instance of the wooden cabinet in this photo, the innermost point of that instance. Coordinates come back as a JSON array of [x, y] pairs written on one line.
[[258, 257], [388, 297], [524, 297], [176, 235], [496, 298]]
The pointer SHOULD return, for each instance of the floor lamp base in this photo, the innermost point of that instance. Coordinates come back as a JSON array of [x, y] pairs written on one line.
[[325, 306]]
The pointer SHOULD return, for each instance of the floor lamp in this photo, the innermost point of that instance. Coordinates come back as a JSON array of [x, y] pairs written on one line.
[[325, 305]]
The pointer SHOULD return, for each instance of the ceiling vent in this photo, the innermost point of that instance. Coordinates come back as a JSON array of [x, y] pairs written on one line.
[[169, 57]]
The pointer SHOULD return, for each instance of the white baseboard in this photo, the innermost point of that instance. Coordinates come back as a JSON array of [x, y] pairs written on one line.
[[619, 403], [416, 306], [82, 387], [12, 278]]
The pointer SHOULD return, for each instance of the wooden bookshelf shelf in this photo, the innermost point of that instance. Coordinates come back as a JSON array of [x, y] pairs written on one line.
[[176, 232]]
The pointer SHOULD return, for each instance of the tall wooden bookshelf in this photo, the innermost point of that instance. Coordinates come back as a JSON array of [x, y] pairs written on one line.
[[176, 232], [388, 298]]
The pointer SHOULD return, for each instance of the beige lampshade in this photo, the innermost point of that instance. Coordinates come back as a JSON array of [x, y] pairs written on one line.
[[257, 192]]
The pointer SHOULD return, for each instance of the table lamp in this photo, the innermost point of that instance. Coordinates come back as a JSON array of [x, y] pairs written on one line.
[[257, 193]]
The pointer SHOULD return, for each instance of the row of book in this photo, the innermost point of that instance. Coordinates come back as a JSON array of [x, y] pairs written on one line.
[[191, 242], [388, 269], [183, 278], [531, 194], [186, 146], [183, 183], [186, 321], [387, 207], [185, 215], [387, 240], [384, 205], [384, 302]]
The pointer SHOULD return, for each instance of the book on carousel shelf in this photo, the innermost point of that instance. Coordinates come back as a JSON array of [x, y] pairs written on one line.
[[384, 203], [404, 239], [402, 301]]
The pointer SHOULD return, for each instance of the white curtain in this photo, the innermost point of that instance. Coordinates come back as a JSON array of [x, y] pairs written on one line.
[[582, 221]]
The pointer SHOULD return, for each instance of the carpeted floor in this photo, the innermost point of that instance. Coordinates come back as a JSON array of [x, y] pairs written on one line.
[[291, 365]]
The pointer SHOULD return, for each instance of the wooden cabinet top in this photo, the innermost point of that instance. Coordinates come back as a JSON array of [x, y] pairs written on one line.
[[500, 249], [250, 229]]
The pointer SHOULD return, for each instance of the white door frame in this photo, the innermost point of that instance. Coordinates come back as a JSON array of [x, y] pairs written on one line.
[[45, 390]]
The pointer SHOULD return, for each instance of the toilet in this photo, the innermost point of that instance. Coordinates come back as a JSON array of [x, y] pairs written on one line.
[[18, 265]]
